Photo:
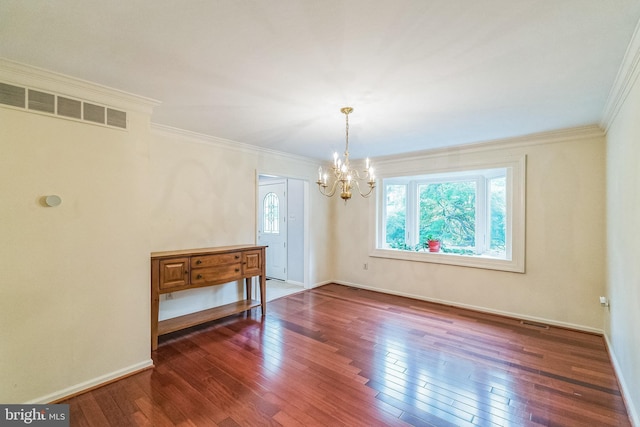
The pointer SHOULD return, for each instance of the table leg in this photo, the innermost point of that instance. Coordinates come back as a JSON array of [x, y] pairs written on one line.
[[263, 294], [247, 284]]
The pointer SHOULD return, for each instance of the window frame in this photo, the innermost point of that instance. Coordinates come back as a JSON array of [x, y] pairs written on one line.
[[515, 218]]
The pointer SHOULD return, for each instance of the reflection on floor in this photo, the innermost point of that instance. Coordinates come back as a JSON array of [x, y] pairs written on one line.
[[278, 289]]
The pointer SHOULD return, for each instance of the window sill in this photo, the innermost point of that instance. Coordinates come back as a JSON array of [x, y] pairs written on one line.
[[479, 261]]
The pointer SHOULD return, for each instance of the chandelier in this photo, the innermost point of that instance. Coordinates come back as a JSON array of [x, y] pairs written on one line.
[[342, 175]]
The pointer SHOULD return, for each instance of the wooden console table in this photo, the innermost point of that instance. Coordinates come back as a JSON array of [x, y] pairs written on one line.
[[173, 271]]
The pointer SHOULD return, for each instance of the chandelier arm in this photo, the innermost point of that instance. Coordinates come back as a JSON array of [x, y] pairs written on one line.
[[355, 173], [372, 185], [323, 189]]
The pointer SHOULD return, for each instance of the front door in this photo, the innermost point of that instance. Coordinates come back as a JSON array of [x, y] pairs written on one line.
[[272, 227]]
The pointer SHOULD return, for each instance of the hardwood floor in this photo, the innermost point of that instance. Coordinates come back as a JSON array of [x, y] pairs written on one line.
[[340, 356]]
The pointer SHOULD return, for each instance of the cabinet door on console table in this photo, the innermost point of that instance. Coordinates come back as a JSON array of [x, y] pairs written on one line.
[[252, 263], [174, 271]]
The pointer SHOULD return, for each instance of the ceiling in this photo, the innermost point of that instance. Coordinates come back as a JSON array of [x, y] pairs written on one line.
[[420, 74]]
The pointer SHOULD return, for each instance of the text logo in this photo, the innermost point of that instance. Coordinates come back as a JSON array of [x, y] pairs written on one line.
[[34, 415]]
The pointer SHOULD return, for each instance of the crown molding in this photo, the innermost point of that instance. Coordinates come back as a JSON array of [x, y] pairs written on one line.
[[563, 135], [228, 144], [551, 137], [626, 78], [12, 72]]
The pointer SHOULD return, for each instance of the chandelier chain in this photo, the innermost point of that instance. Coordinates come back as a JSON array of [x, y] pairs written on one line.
[[346, 149]]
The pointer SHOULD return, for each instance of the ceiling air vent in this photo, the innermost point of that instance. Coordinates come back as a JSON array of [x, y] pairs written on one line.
[[93, 113], [50, 103], [12, 95], [69, 108], [116, 118], [41, 101]]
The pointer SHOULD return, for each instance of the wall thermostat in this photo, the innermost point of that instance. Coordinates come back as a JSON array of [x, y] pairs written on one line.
[[53, 200]]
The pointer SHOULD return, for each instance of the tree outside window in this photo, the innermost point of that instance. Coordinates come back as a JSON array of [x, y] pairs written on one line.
[[448, 213]]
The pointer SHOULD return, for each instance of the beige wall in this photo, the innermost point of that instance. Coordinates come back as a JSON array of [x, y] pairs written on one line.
[[74, 298], [565, 228], [623, 234]]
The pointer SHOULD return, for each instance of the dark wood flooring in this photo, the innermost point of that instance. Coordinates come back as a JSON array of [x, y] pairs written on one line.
[[339, 356]]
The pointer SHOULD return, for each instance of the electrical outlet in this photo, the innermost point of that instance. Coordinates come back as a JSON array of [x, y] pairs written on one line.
[[365, 266]]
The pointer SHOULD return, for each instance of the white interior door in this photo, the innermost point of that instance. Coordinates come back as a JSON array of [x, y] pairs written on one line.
[[272, 227]]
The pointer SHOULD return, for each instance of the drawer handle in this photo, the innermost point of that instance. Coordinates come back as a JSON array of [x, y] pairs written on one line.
[[199, 276], [199, 261], [237, 269], [237, 256], [186, 272]]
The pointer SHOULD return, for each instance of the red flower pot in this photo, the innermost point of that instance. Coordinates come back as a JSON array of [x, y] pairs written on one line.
[[434, 245]]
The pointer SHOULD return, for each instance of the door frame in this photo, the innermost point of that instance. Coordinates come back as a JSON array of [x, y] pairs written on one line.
[[305, 201]]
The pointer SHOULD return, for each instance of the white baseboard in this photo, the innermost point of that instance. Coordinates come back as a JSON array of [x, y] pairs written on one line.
[[634, 416], [478, 308], [294, 282], [325, 282], [92, 383]]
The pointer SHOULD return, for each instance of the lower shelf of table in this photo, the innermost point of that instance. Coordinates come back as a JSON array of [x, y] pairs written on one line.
[[193, 319]]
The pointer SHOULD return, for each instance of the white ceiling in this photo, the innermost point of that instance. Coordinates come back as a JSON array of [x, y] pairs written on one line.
[[420, 74]]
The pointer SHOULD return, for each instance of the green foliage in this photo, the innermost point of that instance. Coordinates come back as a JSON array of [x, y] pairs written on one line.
[[396, 230], [456, 251], [404, 247], [396, 216], [498, 209], [448, 210]]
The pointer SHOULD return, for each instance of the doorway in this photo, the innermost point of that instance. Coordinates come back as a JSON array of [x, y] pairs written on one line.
[[282, 215], [272, 226]]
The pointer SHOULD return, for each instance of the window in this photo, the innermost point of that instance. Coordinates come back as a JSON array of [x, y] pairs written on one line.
[[477, 213], [271, 206]]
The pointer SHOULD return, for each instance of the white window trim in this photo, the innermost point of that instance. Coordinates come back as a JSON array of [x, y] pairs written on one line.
[[516, 204]]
